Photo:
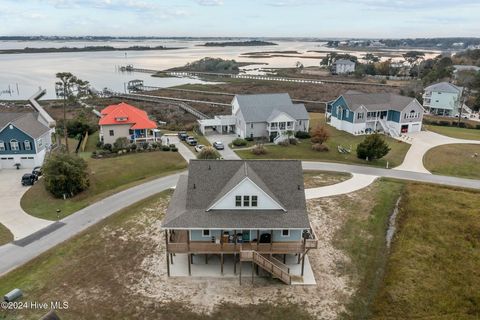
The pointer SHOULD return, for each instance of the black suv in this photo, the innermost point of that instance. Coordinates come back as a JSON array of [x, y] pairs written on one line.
[[182, 135], [28, 179]]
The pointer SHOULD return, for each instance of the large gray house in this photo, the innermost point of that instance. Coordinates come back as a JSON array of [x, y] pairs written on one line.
[[260, 115], [24, 140], [240, 208]]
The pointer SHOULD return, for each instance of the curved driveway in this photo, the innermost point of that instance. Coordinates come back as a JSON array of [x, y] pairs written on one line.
[[421, 142]]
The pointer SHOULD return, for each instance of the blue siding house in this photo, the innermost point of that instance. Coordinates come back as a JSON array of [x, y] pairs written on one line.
[[362, 113], [24, 140], [244, 210]]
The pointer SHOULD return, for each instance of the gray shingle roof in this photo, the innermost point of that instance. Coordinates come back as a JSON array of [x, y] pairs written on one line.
[[259, 107], [27, 122], [377, 101], [209, 179], [344, 61], [444, 87]]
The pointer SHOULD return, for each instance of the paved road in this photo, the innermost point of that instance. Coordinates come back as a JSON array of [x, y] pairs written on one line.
[[422, 142], [17, 253], [397, 174], [12, 215]]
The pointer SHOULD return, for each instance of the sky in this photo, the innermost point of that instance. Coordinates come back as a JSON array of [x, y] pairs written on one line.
[[242, 18]]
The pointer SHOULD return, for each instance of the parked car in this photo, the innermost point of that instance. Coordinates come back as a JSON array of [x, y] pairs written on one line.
[[37, 172], [182, 135], [218, 145], [28, 179], [464, 116], [199, 147], [191, 141]]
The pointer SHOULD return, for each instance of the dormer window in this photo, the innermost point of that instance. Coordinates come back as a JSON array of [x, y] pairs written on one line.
[[14, 145], [2, 145]]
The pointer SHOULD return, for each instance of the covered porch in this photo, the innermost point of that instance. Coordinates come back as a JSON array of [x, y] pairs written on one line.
[[219, 124], [145, 135]]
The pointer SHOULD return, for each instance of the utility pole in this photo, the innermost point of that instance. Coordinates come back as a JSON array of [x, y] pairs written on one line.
[[464, 97]]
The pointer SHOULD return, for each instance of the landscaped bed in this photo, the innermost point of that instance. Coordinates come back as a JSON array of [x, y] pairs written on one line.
[[107, 176], [459, 160]]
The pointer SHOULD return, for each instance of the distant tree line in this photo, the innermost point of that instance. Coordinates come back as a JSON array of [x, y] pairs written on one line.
[[240, 43]]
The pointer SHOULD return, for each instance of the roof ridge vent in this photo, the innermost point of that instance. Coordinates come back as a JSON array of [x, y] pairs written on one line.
[[246, 170]]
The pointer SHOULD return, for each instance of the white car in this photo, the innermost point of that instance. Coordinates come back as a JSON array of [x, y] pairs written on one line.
[[199, 147]]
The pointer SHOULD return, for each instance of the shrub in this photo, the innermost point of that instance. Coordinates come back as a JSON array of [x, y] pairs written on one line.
[[99, 144], [444, 123], [320, 135], [208, 153], [171, 145], [319, 147], [107, 146], [373, 147], [293, 141], [239, 142], [154, 145], [284, 143], [165, 148], [133, 147], [477, 126], [174, 149], [249, 139], [121, 143], [145, 145], [302, 135], [259, 149], [65, 174]]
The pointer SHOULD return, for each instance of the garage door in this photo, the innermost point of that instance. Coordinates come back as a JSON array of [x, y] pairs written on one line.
[[7, 162], [27, 162], [415, 127]]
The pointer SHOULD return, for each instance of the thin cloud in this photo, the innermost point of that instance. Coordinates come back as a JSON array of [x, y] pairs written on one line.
[[210, 3]]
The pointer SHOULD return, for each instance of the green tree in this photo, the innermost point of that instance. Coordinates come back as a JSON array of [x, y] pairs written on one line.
[[65, 175], [208, 153], [372, 147], [371, 58], [69, 87]]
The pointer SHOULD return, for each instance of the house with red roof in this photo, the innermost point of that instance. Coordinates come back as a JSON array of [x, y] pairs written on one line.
[[125, 121]]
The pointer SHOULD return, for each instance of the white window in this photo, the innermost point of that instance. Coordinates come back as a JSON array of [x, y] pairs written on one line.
[[27, 145], [360, 115], [285, 233], [246, 201], [238, 201], [346, 113], [2, 146], [40, 142], [254, 201], [14, 145], [205, 233]]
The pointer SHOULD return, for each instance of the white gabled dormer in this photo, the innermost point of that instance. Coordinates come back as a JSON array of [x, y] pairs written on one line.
[[242, 193]]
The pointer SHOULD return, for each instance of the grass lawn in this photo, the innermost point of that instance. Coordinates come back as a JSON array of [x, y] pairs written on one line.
[[96, 273], [5, 235], [432, 272], [315, 179], [90, 146], [454, 132], [454, 160], [303, 151], [107, 176], [362, 237]]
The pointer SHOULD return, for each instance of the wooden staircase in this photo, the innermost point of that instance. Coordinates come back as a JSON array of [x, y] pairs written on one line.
[[269, 264]]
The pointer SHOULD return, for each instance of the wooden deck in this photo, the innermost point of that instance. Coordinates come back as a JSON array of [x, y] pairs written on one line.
[[179, 243]]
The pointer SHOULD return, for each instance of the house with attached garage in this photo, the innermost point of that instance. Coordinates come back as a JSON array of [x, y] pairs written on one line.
[[271, 116], [362, 113], [24, 140], [125, 121], [443, 99], [247, 210]]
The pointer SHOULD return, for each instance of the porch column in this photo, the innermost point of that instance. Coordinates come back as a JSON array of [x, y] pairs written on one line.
[[189, 264], [166, 252]]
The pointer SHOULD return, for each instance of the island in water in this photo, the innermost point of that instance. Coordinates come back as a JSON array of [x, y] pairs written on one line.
[[84, 49], [249, 43]]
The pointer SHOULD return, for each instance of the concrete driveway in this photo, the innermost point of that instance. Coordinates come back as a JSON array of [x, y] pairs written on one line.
[[12, 216], [227, 153], [422, 142]]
